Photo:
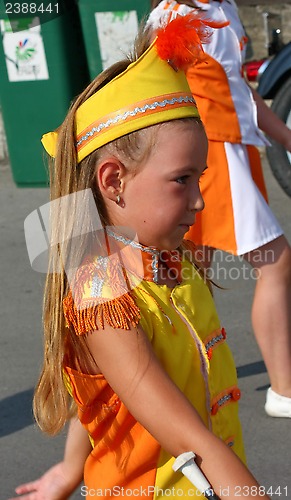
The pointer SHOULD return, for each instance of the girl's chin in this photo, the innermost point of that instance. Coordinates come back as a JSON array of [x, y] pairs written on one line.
[[166, 243]]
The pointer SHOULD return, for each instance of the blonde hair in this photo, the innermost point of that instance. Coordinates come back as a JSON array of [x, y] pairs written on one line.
[[52, 405]]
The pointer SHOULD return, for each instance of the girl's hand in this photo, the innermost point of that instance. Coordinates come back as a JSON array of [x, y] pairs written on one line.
[[55, 484], [61, 480]]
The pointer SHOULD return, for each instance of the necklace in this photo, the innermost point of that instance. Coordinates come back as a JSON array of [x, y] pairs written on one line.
[[152, 257]]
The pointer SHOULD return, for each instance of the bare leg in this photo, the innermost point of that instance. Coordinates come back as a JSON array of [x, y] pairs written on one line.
[[271, 312]]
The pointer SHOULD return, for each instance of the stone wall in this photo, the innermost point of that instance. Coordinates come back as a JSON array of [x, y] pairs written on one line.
[[252, 15]]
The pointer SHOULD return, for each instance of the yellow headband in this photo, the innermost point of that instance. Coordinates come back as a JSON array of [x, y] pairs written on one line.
[[148, 92]]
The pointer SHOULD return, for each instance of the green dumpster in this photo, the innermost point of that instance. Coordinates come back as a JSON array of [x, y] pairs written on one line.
[[42, 68], [109, 29]]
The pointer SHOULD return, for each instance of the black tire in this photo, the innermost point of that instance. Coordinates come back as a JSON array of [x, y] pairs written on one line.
[[279, 158]]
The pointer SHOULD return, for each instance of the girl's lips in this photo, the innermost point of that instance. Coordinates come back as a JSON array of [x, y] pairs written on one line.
[[187, 225]]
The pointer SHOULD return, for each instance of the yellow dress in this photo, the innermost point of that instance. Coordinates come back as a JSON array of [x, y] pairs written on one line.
[[186, 336]]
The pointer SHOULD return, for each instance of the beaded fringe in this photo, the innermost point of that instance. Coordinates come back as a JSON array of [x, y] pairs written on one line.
[[121, 312]]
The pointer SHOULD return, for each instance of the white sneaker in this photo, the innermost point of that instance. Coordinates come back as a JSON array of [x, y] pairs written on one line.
[[277, 405]]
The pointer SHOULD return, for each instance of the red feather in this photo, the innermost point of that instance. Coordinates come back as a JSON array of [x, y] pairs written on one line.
[[180, 41]]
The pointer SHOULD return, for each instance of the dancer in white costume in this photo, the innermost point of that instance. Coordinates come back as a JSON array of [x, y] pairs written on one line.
[[237, 217]]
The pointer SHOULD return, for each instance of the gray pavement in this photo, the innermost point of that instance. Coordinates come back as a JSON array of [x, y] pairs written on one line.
[[24, 452]]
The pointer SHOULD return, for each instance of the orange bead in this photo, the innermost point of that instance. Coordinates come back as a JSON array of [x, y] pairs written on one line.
[[236, 394]]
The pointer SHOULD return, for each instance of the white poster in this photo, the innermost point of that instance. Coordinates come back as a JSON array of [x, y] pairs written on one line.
[[116, 34], [24, 52]]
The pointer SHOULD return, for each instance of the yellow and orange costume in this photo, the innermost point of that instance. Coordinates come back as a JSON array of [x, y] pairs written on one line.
[[186, 336]]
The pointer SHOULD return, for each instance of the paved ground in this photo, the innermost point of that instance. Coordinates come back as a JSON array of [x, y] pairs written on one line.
[[24, 452]]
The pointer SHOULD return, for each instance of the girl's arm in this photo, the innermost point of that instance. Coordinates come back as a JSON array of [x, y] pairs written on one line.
[[131, 368], [60, 481], [270, 123]]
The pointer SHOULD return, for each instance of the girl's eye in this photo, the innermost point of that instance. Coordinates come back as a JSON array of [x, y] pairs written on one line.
[[182, 180]]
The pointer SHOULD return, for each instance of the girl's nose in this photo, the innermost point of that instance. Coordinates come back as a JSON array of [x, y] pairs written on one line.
[[197, 202]]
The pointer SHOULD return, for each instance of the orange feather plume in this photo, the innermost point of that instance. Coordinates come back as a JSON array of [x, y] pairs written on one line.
[[180, 41]]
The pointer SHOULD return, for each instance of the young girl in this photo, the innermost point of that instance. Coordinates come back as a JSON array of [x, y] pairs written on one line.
[[133, 334], [237, 217]]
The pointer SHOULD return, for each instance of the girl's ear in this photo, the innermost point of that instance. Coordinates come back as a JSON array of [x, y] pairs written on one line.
[[110, 178]]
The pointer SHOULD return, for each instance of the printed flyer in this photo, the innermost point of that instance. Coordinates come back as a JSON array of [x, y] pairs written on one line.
[[116, 31], [24, 50]]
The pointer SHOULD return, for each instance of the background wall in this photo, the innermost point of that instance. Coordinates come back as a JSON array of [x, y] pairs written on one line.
[[251, 13]]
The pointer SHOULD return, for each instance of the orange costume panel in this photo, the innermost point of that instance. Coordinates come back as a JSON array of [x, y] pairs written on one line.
[[186, 336]]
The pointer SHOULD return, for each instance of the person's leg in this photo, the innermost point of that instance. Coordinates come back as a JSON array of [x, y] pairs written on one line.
[[271, 311]]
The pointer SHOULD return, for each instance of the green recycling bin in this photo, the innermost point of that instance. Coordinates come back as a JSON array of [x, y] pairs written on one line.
[[109, 29], [43, 67]]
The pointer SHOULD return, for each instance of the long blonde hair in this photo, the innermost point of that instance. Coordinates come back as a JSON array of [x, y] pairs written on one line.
[[52, 405]]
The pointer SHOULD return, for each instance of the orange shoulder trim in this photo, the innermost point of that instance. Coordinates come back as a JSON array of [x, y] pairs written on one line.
[[121, 312]]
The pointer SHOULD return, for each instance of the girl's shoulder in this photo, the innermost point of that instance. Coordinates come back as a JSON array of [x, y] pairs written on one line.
[[103, 292], [100, 293]]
